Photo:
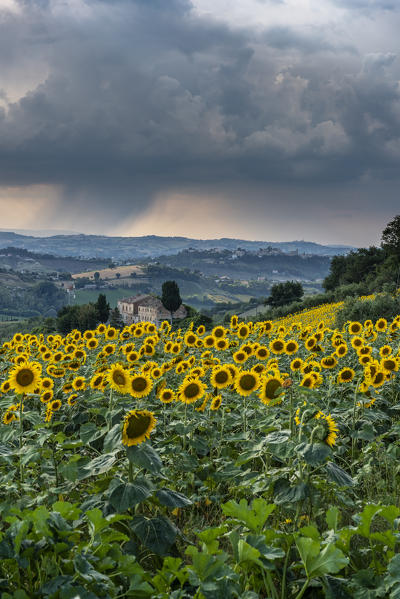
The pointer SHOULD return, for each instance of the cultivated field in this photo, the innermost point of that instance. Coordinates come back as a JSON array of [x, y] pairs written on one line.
[[258, 460]]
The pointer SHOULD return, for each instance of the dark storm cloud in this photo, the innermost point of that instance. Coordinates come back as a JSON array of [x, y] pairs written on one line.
[[139, 96]]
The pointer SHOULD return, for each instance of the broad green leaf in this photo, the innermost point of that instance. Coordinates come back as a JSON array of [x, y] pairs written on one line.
[[171, 498], [286, 493], [338, 475], [332, 517], [254, 516], [317, 562], [277, 437], [157, 534], [144, 456], [392, 579], [67, 510], [127, 495], [103, 463], [315, 454], [112, 440]]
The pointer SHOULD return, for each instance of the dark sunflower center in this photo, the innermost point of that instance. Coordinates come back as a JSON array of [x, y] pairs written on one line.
[[248, 382], [347, 375], [271, 388], [25, 377], [139, 383], [219, 333], [167, 395], [262, 353], [278, 345], [191, 390], [221, 376], [389, 364], [290, 347], [191, 339], [379, 377], [119, 378], [138, 424]]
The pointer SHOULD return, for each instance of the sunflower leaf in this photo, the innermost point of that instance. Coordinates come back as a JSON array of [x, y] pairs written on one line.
[[144, 456], [171, 498], [127, 495]]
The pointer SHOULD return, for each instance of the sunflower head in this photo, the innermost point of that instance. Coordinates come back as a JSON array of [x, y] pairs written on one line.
[[246, 382], [140, 385], [25, 377], [137, 427], [271, 387]]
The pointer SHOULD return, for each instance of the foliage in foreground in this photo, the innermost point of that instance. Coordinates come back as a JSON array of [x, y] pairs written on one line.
[[271, 468]]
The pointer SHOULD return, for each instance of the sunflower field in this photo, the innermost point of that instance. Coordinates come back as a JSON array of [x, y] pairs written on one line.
[[259, 460]]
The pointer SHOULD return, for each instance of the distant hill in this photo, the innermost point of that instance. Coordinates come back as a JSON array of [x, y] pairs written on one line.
[[149, 246]]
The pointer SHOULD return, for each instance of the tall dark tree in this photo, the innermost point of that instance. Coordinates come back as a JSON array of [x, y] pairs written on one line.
[[171, 299], [116, 319], [391, 237], [103, 308], [285, 293]]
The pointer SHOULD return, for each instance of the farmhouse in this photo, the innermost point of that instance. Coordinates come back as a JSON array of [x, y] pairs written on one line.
[[146, 308]]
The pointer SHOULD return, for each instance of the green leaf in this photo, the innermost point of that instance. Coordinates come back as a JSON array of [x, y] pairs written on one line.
[[254, 516], [144, 456], [332, 517], [69, 511], [392, 579], [278, 437], [74, 468], [126, 495], [338, 475], [286, 493], [112, 440], [157, 534], [171, 498], [90, 432], [317, 562], [103, 463], [315, 454]]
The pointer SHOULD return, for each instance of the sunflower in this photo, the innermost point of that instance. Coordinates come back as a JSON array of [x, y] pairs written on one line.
[[258, 368], [138, 425], [96, 382], [216, 403], [345, 375], [378, 379], [132, 356], [47, 383], [329, 361], [108, 349], [191, 390], [221, 344], [270, 389], [277, 346], [381, 325], [166, 395], [291, 347], [364, 360], [190, 339], [72, 399], [243, 331], [308, 381], [54, 405], [5, 387], [118, 378], [357, 342], [79, 383], [88, 335], [341, 350], [140, 385], [385, 351], [355, 328], [26, 377], [296, 364], [267, 326], [111, 333], [311, 343], [366, 350], [262, 352], [330, 426], [240, 357], [220, 377], [46, 396], [201, 329], [101, 328], [9, 417], [92, 343], [209, 341], [246, 382], [389, 365]]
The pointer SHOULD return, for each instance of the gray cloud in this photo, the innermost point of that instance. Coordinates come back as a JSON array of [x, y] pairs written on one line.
[[140, 96]]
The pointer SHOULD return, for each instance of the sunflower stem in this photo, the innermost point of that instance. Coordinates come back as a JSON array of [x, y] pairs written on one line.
[[130, 473], [21, 468], [110, 406]]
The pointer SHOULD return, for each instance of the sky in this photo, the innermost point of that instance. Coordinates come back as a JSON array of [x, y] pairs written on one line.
[[257, 119]]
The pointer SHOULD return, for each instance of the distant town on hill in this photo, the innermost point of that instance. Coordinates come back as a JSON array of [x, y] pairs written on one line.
[[151, 246]]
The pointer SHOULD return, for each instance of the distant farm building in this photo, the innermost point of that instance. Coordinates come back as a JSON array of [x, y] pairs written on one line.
[[146, 308]]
